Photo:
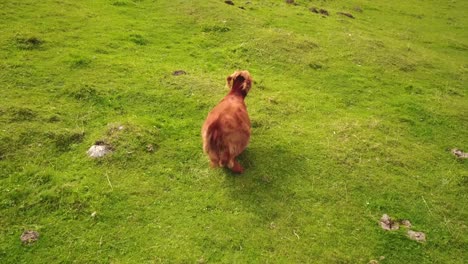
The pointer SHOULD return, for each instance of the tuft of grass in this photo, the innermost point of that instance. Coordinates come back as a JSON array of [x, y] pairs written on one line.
[[28, 42], [80, 62], [138, 39], [66, 140], [216, 28]]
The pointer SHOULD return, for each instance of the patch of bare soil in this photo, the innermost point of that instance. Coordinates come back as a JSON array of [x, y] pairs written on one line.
[[319, 11], [345, 14], [150, 148], [229, 2], [179, 72], [417, 236], [459, 153], [387, 223], [30, 236], [291, 2], [406, 223], [373, 261]]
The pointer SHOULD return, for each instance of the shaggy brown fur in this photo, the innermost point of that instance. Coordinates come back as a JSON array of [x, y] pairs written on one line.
[[226, 131]]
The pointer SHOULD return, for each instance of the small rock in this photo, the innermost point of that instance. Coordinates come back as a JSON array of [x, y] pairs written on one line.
[[179, 72], [459, 153], [98, 150], [387, 223], [93, 214], [345, 14], [30, 236], [229, 2], [417, 236], [406, 223]]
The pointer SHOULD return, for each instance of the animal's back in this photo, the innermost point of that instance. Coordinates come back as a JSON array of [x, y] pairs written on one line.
[[226, 131]]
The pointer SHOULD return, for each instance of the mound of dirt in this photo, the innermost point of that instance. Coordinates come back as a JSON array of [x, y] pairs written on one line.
[[30, 236], [387, 223], [459, 153], [417, 236], [179, 72]]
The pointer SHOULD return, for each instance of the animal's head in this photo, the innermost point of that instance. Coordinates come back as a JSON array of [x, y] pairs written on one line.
[[239, 82]]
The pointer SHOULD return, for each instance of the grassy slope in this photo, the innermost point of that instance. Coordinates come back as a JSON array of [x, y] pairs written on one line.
[[351, 119]]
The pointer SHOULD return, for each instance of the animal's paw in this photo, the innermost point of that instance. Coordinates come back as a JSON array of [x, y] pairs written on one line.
[[237, 168]]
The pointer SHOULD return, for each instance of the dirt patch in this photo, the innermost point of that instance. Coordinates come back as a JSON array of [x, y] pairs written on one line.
[[345, 14], [29, 237], [406, 223], [388, 224], [459, 153], [374, 261], [150, 148], [417, 236], [291, 2], [229, 2], [319, 11], [179, 72]]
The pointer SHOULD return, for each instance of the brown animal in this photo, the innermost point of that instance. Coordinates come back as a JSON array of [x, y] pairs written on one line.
[[226, 131]]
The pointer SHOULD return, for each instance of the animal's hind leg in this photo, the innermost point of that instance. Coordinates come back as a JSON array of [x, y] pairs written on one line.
[[236, 167], [214, 161]]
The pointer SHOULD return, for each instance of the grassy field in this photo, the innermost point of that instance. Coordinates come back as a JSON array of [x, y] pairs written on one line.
[[352, 118]]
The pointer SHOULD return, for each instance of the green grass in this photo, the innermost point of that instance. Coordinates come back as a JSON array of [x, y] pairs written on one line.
[[352, 118]]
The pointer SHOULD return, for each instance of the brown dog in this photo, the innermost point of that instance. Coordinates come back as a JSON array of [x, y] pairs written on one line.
[[226, 130]]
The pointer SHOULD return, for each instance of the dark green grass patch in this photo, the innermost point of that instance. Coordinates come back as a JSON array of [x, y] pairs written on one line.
[[28, 43]]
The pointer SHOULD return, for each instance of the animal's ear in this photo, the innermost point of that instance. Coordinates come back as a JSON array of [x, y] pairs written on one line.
[[229, 81]]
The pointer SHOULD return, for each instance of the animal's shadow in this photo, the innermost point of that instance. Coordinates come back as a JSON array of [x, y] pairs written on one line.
[[270, 176]]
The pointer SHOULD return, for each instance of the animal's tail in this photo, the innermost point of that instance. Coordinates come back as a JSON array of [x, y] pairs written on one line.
[[215, 144], [214, 136]]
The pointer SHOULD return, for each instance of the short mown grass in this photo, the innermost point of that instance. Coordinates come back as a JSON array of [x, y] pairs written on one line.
[[351, 119]]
